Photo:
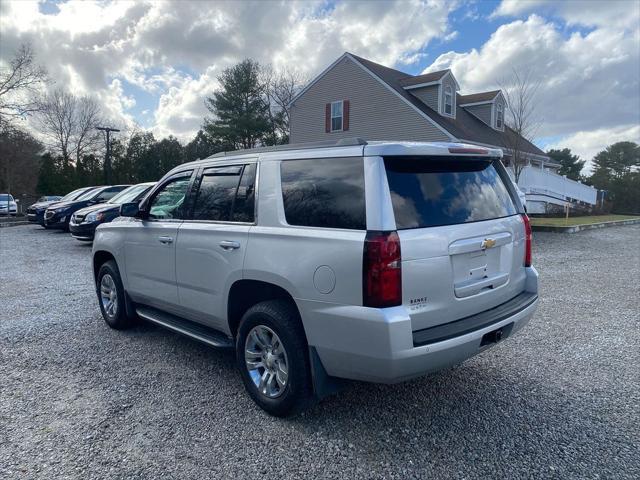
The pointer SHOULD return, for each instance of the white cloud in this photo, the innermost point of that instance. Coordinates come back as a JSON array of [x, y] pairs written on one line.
[[586, 144], [617, 13], [175, 50], [181, 109], [588, 81]]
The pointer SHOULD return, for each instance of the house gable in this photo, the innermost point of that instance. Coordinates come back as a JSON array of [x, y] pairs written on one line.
[[376, 112], [383, 106]]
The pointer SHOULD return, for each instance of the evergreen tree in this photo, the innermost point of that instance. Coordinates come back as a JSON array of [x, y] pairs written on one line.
[[144, 166], [240, 110], [168, 153], [48, 176], [617, 160], [617, 170], [571, 165], [202, 146]]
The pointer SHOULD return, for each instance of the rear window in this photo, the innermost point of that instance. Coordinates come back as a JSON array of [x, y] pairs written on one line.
[[324, 193], [435, 191]]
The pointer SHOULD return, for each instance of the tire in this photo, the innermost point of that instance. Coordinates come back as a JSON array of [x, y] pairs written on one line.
[[111, 297], [281, 318]]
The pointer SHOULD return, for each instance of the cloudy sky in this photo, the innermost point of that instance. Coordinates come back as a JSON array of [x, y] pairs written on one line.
[[154, 62]]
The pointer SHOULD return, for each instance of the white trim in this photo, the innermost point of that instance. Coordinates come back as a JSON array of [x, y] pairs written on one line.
[[420, 85], [320, 75], [388, 87], [478, 103]]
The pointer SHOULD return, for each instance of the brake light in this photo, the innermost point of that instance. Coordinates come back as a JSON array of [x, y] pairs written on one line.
[[381, 270], [528, 238], [480, 151]]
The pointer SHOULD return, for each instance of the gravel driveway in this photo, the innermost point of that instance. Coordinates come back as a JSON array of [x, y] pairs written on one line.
[[78, 400]]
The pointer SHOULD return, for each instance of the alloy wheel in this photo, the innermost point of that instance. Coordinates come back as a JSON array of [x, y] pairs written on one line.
[[109, 295], [266, 361]]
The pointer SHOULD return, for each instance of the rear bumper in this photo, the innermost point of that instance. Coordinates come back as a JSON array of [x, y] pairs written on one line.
[[378, 345]]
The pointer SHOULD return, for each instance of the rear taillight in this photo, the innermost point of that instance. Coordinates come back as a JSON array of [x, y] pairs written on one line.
[[527, 238], [381, 270]]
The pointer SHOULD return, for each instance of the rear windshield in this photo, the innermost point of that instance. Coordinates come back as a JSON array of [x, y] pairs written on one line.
[[435, 191]]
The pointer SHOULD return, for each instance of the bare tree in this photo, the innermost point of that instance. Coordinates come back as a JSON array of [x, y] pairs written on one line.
[[520, 91], [280, 88], [20, 81], [68, 123]]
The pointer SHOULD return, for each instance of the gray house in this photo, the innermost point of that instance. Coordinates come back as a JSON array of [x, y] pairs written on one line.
[[355, 97]]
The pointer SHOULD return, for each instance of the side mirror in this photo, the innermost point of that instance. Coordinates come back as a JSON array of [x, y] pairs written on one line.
[[129, 210]]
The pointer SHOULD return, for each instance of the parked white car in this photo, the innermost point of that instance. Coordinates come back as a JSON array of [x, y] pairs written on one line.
[[375, 261], [8, 205]]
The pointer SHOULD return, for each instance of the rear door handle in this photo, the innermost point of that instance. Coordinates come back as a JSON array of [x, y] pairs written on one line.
[[165, 240], [229, 245]]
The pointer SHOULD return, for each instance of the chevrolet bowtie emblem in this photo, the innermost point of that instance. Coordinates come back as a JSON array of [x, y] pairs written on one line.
[[488, 243]]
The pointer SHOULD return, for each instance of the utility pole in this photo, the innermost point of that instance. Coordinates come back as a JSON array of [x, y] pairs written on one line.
[[107, 159]]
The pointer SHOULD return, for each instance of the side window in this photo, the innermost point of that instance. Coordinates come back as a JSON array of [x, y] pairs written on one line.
[[167, 202], [226, 194], [217, 191], [324, 192]]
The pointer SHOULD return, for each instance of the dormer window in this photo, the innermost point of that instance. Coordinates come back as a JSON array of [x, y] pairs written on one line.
[[499, 116], [448, 100]]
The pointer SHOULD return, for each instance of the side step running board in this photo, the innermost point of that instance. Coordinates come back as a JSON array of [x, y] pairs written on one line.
[[185, 327]]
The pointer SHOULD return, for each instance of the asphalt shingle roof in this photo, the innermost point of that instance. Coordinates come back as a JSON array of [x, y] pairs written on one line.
[[424, 78], [478, 97], [465, 126]]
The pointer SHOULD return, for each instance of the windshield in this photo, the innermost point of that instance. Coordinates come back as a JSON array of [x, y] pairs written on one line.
[[4, 197], [88, 194], [73, 195], [429, 192], [130, 194]]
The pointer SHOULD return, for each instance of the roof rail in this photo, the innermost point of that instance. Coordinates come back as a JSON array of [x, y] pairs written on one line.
[[344, 142]]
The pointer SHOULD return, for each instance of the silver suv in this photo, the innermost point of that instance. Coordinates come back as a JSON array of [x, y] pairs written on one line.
[[377, 261]]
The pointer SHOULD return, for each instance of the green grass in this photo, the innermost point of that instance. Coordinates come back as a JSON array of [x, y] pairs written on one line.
[[562, 222]]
